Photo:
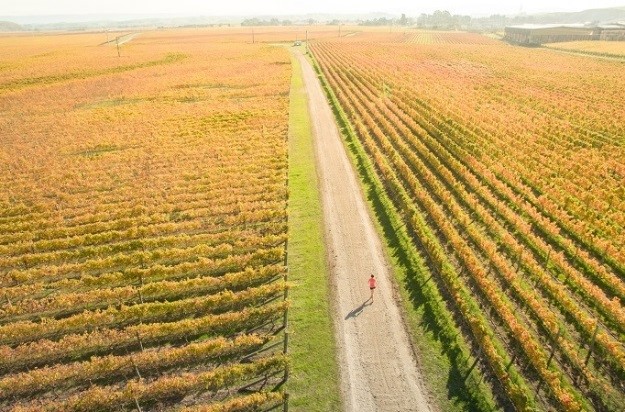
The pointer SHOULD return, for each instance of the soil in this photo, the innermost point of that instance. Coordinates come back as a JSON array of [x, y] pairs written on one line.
[[378, 368]]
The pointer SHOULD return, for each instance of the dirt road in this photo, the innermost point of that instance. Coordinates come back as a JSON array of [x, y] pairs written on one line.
[[377, 366], [119, 40]]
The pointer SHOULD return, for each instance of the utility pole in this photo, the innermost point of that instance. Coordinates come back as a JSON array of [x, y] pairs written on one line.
[[306, 41], [252, 35], [117, 43]]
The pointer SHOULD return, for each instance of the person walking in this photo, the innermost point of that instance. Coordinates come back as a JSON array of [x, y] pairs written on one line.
[[372, 283]]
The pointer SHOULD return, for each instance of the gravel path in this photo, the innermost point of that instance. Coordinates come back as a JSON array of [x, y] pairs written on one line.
[[377, 366]]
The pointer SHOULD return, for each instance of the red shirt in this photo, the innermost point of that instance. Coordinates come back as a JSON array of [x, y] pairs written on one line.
[[371, 283]]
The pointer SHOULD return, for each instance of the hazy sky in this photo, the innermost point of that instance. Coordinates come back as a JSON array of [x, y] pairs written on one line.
[[247, 7]]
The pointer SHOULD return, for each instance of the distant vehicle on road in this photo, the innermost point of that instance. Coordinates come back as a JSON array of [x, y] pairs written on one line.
[[297, 43]]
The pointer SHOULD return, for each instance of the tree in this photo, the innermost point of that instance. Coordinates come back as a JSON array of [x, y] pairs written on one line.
[[423, 20], [442, 20]]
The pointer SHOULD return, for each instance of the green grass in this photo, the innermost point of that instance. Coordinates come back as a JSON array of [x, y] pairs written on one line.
[[444, 356], [99, 150], [99, 104], [313, 383]]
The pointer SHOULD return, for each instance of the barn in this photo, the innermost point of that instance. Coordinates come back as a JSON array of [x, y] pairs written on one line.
[[614, 32], [536, 34]]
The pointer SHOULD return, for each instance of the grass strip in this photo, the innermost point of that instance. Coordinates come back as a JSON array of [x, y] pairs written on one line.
[[313, 384]]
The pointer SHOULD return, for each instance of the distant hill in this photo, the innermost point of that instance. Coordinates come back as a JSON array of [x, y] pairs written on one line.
[[10, 26], [587, 16], [591, 16]]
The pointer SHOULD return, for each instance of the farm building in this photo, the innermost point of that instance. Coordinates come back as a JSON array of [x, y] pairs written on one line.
[[615, 32], [535, 34]]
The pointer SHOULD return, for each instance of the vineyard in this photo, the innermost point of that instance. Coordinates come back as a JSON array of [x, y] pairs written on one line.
[[614, 49], [143, 223], [441, 37], [504, 166]]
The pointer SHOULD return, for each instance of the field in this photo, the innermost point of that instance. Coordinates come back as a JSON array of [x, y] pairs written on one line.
[[143, 223], [614, 49], [161, 226], [504, 168], [442, 37]]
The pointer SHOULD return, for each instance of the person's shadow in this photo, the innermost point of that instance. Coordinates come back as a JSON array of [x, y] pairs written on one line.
[[357, 311]]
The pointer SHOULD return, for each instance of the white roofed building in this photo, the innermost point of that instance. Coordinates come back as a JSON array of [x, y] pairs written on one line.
[[537, 34]]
